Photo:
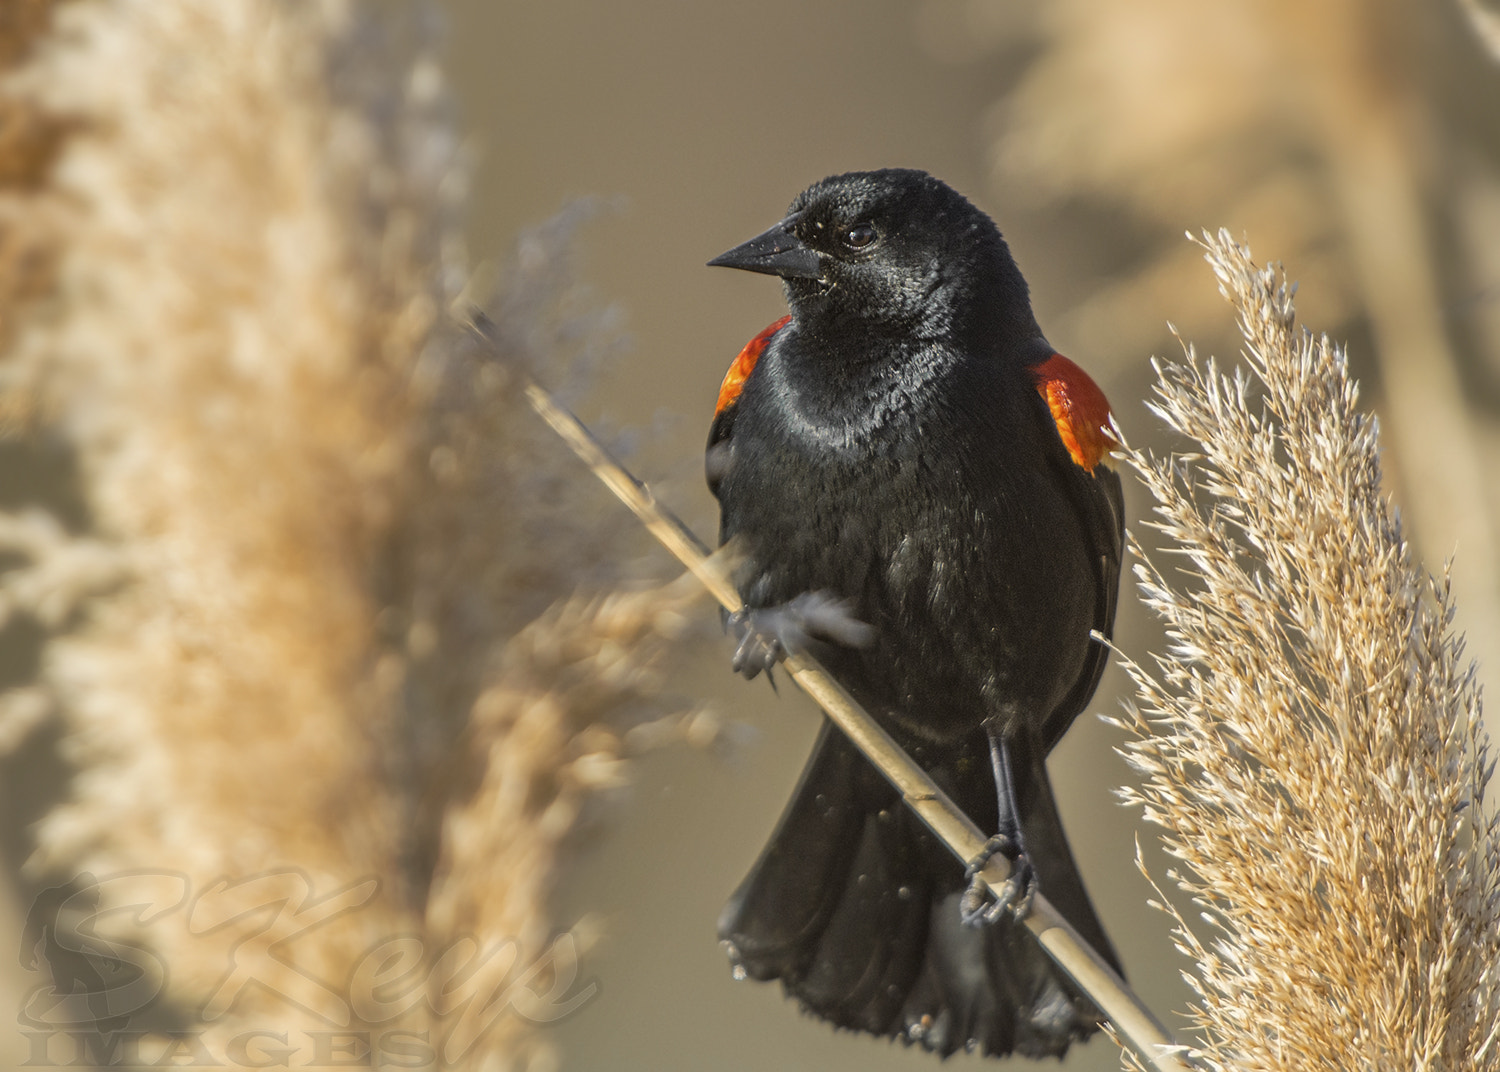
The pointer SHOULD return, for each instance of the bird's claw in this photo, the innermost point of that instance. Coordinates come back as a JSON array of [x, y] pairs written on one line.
[[759, 648], [768, 635], [980, 907]]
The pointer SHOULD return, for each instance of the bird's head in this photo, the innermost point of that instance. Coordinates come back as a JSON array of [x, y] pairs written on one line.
[[894, 251]]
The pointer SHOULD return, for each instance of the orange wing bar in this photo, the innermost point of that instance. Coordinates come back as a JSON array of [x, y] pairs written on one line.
[[739, 372], [1079, 408]]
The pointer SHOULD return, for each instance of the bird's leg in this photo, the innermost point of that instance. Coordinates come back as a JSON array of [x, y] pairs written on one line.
[[768, 635], [978, 907]]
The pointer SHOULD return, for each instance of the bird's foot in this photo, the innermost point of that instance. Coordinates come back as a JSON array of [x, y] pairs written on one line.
[[980, 907], [769, 634]]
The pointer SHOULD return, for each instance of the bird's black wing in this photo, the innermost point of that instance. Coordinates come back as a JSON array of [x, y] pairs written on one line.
[[1082, 415], [716, 457]]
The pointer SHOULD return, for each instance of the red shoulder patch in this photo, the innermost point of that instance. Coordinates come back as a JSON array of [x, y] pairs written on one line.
[[1079, 408], [739, 372]]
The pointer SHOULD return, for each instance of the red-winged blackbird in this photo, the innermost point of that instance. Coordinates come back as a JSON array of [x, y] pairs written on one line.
[[907, 442]]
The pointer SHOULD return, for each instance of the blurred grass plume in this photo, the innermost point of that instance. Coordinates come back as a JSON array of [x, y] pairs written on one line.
[[322, 618], [1350, 135], [1311, 742]]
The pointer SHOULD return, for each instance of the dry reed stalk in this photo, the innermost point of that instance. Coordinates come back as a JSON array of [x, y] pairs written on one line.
[[1130, 1022], [304, 655], [1484, 19], [1311, 742]]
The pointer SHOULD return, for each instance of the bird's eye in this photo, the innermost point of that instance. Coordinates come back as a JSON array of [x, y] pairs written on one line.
[[859, 236]]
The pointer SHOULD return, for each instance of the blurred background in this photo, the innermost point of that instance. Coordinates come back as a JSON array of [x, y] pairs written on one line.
[[1356, 142]]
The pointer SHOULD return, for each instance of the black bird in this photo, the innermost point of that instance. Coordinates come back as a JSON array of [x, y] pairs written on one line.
[[907, 443]]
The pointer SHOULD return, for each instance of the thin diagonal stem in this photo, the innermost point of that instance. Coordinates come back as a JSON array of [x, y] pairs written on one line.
[[1133, 1023]]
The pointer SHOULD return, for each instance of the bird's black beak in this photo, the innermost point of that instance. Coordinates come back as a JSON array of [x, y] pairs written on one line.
[[777, 252]]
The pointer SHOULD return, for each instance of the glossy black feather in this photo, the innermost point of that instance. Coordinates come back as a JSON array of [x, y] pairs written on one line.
[[890, 447]]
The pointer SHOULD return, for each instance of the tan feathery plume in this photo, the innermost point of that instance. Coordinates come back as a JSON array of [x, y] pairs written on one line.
[[324, 727], [29, 141], [1311, 742]]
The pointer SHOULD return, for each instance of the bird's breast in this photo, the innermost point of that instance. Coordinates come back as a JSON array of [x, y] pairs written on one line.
[[943, 531]]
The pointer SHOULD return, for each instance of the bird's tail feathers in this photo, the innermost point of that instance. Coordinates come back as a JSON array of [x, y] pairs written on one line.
[[854, 906]]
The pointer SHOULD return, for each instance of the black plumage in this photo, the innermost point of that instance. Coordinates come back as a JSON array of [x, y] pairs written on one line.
[[892, 445]]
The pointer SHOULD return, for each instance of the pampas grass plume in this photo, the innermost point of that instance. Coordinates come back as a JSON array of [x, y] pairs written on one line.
[[322, 635], [1311, 741]]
